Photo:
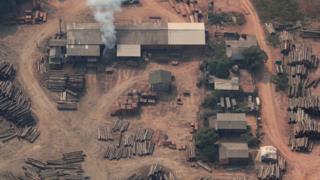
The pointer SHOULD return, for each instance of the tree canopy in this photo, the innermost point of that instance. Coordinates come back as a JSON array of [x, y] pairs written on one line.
[[206, 149], [254, 59]]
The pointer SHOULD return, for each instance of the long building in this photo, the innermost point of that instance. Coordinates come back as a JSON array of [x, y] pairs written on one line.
[[84, 40]]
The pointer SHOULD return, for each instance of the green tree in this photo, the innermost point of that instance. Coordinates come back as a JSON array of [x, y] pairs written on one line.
[[281, 82], [219, 68], [206, 149], [254, 59]]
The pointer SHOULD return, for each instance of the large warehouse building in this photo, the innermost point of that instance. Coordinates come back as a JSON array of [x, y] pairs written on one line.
[[84, 39], [131, 40]]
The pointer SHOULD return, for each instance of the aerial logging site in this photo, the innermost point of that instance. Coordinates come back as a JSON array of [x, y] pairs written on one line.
[[159, 89]]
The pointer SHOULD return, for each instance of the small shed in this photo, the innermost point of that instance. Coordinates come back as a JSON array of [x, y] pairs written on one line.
[[55, 57], [235, 48], [231, 123], [233, 153], [160, 80], [226, 84]]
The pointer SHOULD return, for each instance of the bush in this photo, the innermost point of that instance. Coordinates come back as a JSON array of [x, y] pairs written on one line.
[[210, 101], [281, 82], [206, 149], [254, 59], [273, 40], [219, 68], [278, 10]]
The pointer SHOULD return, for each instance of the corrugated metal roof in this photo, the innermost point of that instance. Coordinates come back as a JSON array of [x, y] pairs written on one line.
[[83, 50], [142, 36], [128, 50], [79, 26], [231, 121], [186, 34], [57, 42], [227, 84], [55, 52], [160, 76], [233, 150]]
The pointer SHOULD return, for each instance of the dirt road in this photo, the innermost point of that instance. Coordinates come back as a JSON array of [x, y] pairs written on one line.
[[274, 114]]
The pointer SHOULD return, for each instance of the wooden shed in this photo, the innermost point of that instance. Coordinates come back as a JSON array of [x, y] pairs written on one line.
[[160, 81]]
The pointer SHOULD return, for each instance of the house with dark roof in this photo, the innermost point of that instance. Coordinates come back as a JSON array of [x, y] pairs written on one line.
[[230, 123], [233, 153], [235, 48], [160, 80]]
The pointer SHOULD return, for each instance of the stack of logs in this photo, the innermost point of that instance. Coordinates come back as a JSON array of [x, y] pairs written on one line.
[[14, 105], [156, 172], [272, 171], [302, 144], [286, 42], [59, 81], [191, 153], [56, 81], [68, 167], [187, 8], [7, 72], [129, 145], [308, 103], [129, 104]]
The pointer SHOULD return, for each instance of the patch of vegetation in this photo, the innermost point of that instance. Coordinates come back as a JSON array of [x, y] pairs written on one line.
[[232, 18], [273, 40], [278, 10], [205, 143], [254, 59], [252, 141], [220, 68], [281, 82], [219, 64]]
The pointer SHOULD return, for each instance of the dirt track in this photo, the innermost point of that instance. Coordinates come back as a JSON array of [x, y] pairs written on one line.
[[274, 114], [69, 131]]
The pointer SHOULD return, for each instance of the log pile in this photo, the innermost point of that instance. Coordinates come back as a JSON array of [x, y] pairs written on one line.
[[302, 54], [154, 172], [129, 104], [8, 176], [76, 82], [7, 72], [129, 145], [286, 42], [307, 128], [105, 134], [191, 153], [302, 144], [14, 105], [68, 167], [56, 81], [272, 171], [309, 103], [28, 133], [310, 33], [187, 9], [59, 81], [120, 125], [157, 172], [67, 106]]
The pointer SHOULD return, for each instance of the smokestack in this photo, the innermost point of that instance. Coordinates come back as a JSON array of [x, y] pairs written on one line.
[[103, 11]]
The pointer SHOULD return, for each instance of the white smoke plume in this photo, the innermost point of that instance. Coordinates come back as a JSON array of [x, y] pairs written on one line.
[[104, 13]]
